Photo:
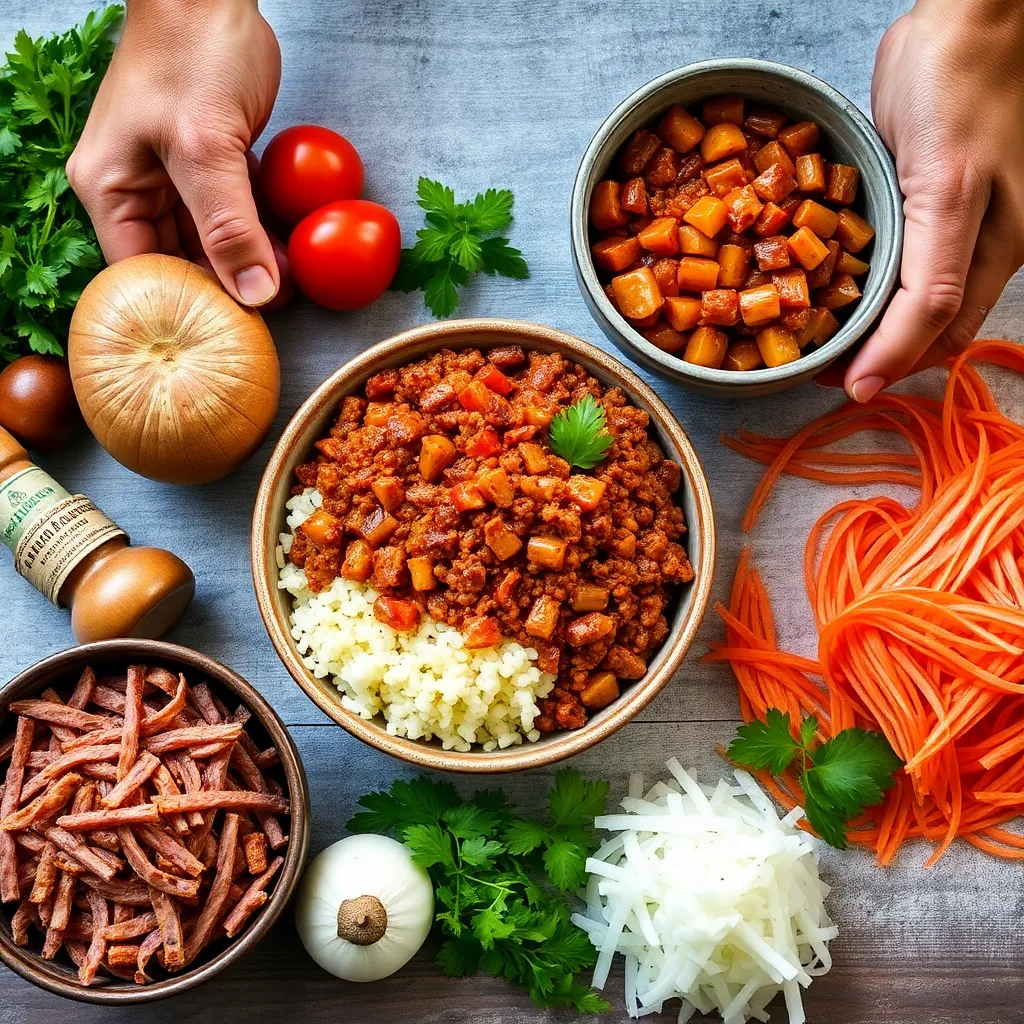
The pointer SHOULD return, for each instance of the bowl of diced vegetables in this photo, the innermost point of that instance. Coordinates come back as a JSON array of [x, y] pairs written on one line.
[[736, 226]]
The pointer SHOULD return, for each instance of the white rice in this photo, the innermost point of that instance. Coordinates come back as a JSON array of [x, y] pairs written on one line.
[[425, 684]]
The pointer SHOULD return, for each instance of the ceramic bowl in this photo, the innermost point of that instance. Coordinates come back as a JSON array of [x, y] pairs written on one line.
[[312, 422], [850, 138], [59, 975]]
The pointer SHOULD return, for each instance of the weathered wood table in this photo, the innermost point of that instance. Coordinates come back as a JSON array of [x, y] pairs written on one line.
[[507, 93]]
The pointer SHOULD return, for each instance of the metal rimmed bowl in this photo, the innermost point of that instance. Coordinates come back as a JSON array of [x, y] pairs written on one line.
[[312, 422], [850, 138], [58, 975]]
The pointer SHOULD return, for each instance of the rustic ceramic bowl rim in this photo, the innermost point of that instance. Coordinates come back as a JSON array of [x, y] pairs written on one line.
[[635, 343], [463, 333], [29, 964]]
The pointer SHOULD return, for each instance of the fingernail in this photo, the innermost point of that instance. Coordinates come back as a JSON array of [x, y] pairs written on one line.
[[255, 286], [866, 388]]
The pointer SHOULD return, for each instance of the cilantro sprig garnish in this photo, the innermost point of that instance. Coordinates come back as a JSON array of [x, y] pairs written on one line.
[[456, 243], [48, 250], [499, 879], [579, 435], [840, 778]]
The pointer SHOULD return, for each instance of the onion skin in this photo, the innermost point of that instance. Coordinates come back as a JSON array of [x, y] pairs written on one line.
[[176, 380], [37, 402]]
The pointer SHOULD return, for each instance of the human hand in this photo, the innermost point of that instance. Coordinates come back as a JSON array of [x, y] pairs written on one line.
[[948, 99], [162, 162]]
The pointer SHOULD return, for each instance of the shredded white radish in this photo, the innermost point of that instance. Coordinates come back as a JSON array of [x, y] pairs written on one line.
[[711, 897]]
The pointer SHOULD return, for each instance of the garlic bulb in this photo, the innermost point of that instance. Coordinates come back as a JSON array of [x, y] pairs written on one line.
[[364, 908]]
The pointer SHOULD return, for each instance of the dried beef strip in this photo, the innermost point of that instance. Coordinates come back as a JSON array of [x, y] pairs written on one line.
[[73, 759], [131, 928], [59, 714], [149, 873], [45, 805], [255, 846], [23, 917], [136, 777], [74, 847], [225, 799], [46, 875], [84, 690], [168, 847], [202, 930], [203, 700], [98, 946], [169, 919], [251, 900], [132, 720], [150, 944], [20, 749], [135, 814]]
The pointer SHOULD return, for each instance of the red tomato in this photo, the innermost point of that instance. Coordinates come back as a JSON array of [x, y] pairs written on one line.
[[345, 254], [306, 167]]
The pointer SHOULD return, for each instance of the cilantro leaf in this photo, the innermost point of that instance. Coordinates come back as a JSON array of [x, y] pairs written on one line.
[[767, 744], [565, 863], [578, 434], [501, 258], [523, 837], [853, 769], [574, 800]]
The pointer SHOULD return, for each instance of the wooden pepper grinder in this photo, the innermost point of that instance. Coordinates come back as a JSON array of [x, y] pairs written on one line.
[[77, 557]]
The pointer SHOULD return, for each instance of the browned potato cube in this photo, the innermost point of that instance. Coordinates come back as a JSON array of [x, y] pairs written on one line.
[[841, 292], [601, 689], [720, 306], [848, 264], [853, 232], [842, 184], [733, 263], [722, 110], [820, 219], [742, 208], [791, 284], [633, 196], [706, 347], [637, 294], [721, 141], [743, 355], [683, 312], [822, 273], [772, 253], [616, 254], [765, 123], [810, 172], [680, 130], [759, 305], [662, 168], [693, 242], [606, 213], [777, 346], [774, 184], [666, 337], [724, 177], [800, 138], [774, 153]]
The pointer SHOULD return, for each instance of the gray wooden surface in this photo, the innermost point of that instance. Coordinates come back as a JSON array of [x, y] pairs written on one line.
[[508, 93]]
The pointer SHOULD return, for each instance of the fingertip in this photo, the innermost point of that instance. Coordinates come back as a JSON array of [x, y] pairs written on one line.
[[254, 286], [863, 389]]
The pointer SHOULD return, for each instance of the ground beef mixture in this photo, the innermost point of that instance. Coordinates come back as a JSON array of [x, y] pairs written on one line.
[[440, 490]]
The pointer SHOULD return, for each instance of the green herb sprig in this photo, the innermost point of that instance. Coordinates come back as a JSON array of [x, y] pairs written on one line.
[[48, 250], [456, 243], [499, 879], [579, 434], [840, 778]]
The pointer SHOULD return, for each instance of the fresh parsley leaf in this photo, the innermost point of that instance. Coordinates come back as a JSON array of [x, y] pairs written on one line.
[[767, 744], [524, 836], [481, 853], [578, 434], [840, 778], [458, 957], [565, 863], [456, 243], [575, 801], [429, 845]]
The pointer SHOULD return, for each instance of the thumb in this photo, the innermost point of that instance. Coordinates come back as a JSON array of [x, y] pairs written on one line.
[[215, 187]]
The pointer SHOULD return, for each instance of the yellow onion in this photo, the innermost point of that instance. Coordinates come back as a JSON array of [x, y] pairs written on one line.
[[176, 380]]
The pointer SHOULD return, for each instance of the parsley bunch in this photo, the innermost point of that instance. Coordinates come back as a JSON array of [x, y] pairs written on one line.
[[456, 243], [840, 778], [578, 434], [48, 250], [499, 879]]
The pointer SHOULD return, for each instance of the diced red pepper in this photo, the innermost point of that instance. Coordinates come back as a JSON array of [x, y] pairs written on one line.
[[396, 613], [494, 379], [475, 396], [485, 443], [481, 632], [466, 496]]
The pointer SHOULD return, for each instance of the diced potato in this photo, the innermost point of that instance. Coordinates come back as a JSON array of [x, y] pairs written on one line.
[[633, 196], [697, 275], [820, 219], [841, 292], [400, 615], [377, 527], [616, 254], [378, 413], [589, 597], [680, 130], [772, 220], [849, 264], [720, 306], [742, 355], [421, 572], [800, 138], [602, 688], [742, 208], [693, 242], [589, 628], [390, 492], [437, 453], [853, 232], [543, 617], [826, 325], [765, 123], [722, 110], [721, 141], [795, 319], [606, 212], [480, 632], [662, 168], [535, 459], [637, 294], [774, 153], [773, 184], [547, 551], [777, 346], [810, 172], [791, 284], [322, 528], [822, 273], [541, 488], [772, 253], [756, 279], [666, 273], [640, 148], [661, 236], [807, 248], [501, 540], [842, 184], [733, 263], [706, 347], [475, 397], [759, 305], [665, 337], [466, 496], [358, 562], [708, 215], [495, 486], [647, 321], [585, 492], [540, 412], [724, 177], [683, 312]]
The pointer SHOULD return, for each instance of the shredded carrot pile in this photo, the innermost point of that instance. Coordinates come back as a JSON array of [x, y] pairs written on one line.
[[919, 611]]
